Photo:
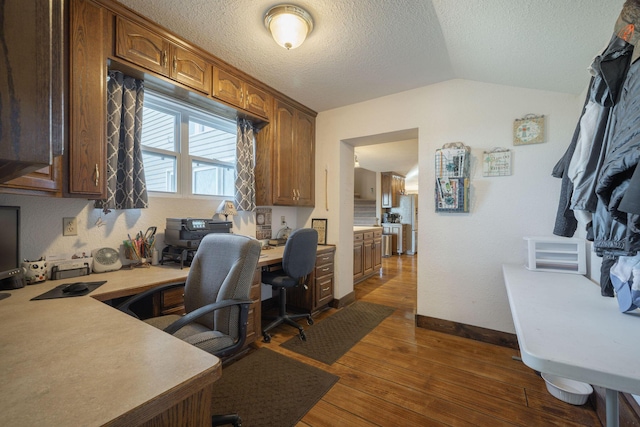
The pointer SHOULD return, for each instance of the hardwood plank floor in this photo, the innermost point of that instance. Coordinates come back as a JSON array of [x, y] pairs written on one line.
[[400, 375]]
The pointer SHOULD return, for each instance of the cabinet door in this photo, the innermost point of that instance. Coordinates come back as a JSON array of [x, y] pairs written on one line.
[[227, 87], [190, 69], [367, 257], [142, 47], [45, 181], [324, 291], [284, 162], [358, 265], [87, 112], [31, 89], [304, 145], [257, 101]]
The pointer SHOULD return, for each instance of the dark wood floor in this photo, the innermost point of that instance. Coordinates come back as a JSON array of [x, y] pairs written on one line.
[[400, 375]]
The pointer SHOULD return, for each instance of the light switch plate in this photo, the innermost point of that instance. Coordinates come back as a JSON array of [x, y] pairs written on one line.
[[69, 227]]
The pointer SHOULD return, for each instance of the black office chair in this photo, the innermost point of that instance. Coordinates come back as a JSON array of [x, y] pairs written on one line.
[[216, 299], [298, 260]]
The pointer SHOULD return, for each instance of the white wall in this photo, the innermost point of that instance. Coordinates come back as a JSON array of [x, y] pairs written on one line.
[[41, 222], [460, 277], [365, 183]]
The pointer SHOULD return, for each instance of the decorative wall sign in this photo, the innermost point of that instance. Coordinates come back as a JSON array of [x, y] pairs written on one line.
[[528, 130], [320, 225], [496, 162]]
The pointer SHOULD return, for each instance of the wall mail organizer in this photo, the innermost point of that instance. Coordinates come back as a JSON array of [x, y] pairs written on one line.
[[452, 178]]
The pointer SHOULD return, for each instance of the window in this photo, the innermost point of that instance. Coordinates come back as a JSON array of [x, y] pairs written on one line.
[[186, 150]]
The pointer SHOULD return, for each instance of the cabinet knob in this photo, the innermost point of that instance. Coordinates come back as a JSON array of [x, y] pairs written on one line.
[[97, 174]]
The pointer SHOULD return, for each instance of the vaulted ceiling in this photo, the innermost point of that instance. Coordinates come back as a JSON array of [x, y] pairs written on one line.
[[364, 49]]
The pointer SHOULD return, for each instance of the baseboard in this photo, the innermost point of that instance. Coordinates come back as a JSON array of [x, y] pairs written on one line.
[[346, 300], [477, 333]]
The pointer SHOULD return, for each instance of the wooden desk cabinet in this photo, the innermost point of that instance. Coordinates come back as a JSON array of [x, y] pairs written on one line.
[[317, 292]]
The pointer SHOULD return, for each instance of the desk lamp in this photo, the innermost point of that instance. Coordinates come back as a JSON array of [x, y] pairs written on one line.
[[227, 208]]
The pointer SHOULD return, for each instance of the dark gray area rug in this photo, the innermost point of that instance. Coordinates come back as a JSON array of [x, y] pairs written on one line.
[[332, 337], [268, 389]]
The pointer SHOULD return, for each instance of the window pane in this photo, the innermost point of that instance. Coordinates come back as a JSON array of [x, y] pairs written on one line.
[[212, 143], [158, 129], [160, 172], [212, 179]]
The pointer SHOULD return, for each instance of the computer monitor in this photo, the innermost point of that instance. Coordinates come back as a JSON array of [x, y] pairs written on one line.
[[10, 273]]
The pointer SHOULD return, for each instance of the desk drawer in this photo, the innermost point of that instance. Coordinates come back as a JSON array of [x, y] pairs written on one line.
[[324, 258], [323, 270], [324, 290], [172, 301], [368, 235]]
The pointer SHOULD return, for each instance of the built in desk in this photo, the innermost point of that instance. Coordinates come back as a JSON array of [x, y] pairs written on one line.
[[79, 362], [566, 328]]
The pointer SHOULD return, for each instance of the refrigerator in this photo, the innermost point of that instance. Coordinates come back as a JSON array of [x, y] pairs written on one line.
[[408, 210]]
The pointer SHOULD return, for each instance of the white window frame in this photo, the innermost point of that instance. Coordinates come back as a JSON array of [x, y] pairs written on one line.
[[184, 160]]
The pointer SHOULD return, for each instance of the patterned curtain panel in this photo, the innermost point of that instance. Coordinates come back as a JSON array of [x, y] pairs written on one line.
[[245, 164], [126, 187]]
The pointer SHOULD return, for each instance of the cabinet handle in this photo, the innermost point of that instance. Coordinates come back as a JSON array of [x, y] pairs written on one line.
[[325, 258], [97, 174], [175, 64], [306, 288], [164, 59], [326, 289], [325, 269]]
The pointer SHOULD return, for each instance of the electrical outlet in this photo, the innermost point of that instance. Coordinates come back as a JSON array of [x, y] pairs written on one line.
[[282, 221], [69, 227]]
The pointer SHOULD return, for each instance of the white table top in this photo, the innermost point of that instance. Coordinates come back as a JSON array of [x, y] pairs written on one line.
[[565, 327]]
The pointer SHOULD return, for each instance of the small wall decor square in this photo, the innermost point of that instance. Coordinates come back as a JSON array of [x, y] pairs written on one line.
[[496, 162], [528, 130]]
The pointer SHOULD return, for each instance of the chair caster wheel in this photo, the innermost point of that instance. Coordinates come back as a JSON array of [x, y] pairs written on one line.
[[266, 337], [309, 321], [303, 337]]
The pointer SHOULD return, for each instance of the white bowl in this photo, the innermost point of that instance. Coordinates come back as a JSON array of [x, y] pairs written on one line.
[[570, 391]]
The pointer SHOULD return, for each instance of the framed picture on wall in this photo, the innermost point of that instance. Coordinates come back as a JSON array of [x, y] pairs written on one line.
[[320, 225]]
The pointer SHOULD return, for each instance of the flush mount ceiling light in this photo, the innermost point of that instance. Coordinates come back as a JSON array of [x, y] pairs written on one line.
[[289, 25]]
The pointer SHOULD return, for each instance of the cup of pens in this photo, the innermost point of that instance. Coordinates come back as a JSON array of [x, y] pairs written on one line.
[[140, 248]]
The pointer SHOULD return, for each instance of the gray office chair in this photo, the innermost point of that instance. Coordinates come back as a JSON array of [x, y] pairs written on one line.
[[298, 260], [216, 299]]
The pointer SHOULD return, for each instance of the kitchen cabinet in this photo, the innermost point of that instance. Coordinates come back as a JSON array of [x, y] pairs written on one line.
[[391, 186], [317, 292], [87, 160], [44, 182], [154, 52], [232, 89], [367, 252], [31, 86], [285, 158], [399, 236]]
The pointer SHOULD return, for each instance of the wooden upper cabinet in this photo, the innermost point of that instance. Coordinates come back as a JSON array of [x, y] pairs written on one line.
[[142, 47], [31, 86], [150, 50], [87, 113], [232, 89], [285, 158]]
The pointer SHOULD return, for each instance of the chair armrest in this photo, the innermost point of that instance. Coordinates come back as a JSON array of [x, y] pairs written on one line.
[[190, 317], [125, 306]]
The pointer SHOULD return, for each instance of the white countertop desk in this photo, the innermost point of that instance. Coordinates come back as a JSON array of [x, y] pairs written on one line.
[[565, 327], [79, 362]]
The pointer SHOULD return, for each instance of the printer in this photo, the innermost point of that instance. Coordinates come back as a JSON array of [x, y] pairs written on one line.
[[188, 232]]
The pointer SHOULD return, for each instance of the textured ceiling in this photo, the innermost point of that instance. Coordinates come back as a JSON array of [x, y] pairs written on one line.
[[364, 49]]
